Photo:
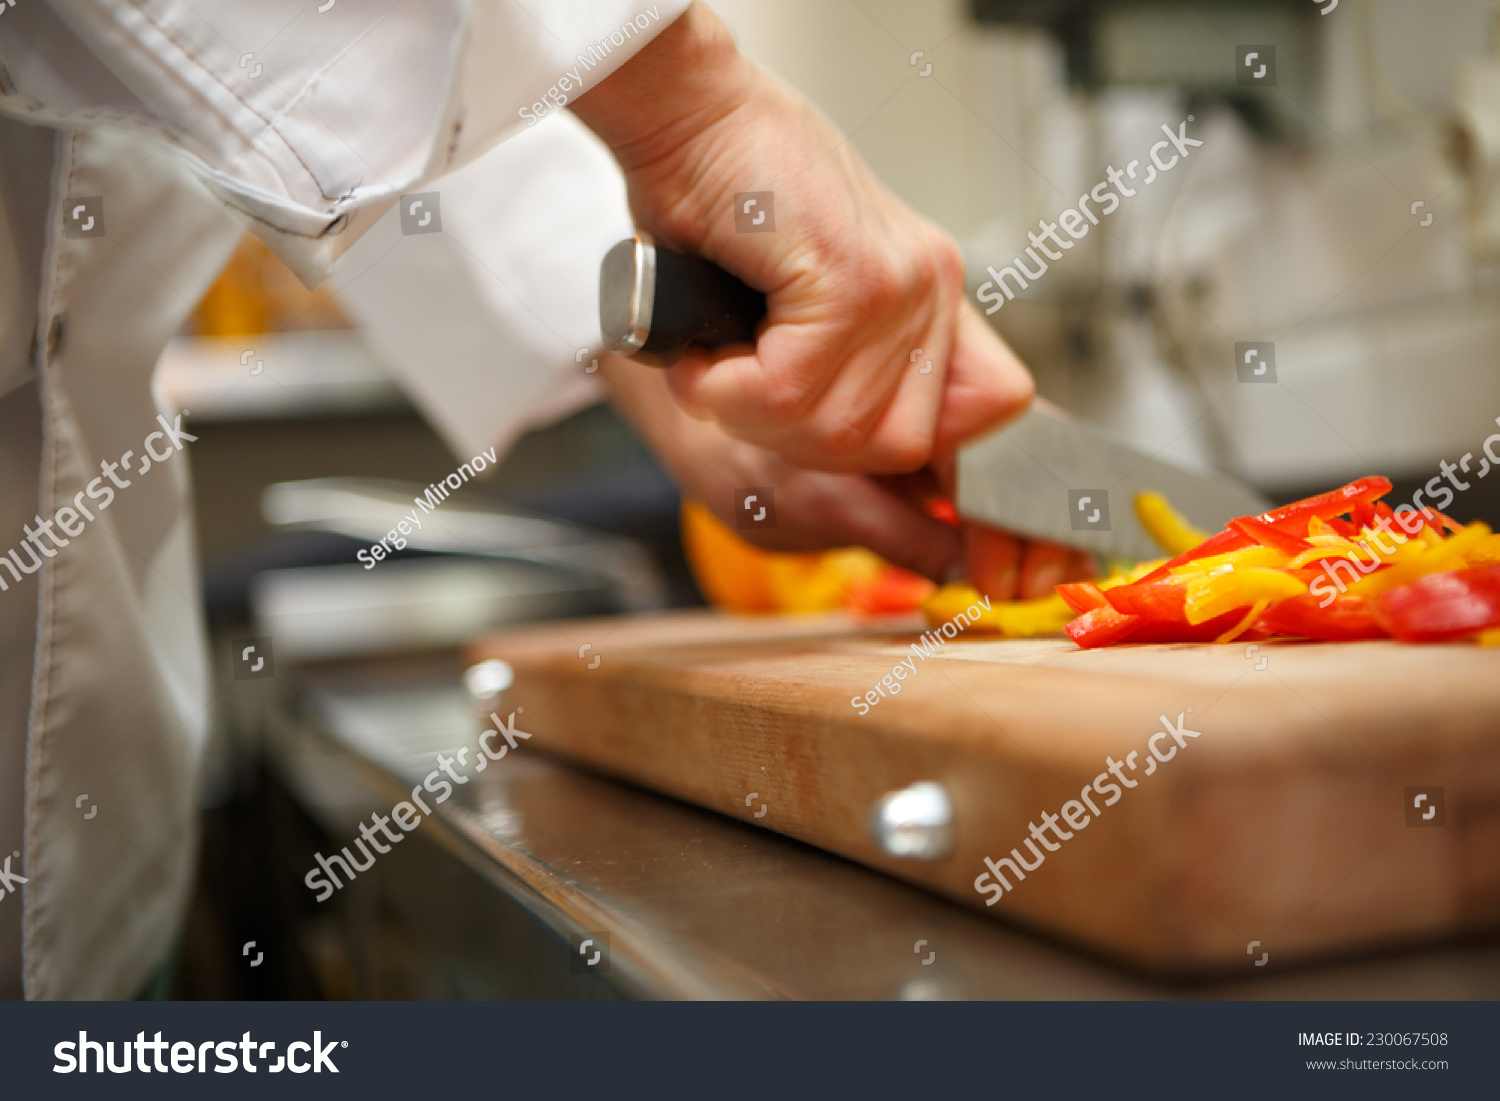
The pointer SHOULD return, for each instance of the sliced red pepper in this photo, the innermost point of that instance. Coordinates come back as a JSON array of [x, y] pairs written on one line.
[[1347, 619], [1325, 506], [1362, 515], [1206, 631], [1252, 527], [1442, 606], [1101, 627], [892, 590], [1106, 627], [1341, 527], [1159, 601], [943, 508], [1081, 596], [1223, 543], [1291, 518]]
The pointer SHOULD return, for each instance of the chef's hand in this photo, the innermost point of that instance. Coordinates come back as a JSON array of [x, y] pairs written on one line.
[[816, 511], [863, 293]]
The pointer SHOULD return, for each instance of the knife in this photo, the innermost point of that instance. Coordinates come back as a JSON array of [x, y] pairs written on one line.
[[1047, 475]]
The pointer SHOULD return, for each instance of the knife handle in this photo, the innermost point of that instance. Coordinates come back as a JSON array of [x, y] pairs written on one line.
[[656, 302]]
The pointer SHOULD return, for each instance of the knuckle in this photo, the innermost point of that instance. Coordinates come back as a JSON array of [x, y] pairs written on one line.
[[784, 400], [884, 287], [840, 437], [948, 262]]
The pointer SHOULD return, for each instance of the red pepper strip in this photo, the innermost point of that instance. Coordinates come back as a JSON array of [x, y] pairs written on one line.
[[1347, 619], [1105, 627], [1159, 601], [1267, 536], [1207, 631], [890, 591], [942, 508], [1442, 606], [1362, 515], [1223, 543], [1342, 527], [1081, 596], [1101, 627], [1294, 517]]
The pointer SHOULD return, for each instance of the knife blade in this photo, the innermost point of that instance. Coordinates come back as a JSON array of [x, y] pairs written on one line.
[[1046, 476]]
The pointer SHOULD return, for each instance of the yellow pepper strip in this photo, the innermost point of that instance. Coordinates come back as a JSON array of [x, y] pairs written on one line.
[[1166, 525], [1342, 549], [948, 601], [1365, 547], [1029, 618], [1490, 638], [1135, 573], [1450, 554], [1244, 558], [1220, 593], [1014, 618], [1485, 553], [1257, 610]]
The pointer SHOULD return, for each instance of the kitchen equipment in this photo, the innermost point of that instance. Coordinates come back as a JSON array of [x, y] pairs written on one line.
[[1047, 475]]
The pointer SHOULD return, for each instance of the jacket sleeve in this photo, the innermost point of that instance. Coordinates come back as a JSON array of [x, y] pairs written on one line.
[[312, 119]]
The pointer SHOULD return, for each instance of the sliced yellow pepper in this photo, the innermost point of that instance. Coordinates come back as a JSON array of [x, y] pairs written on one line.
[[1166, 525], [1013, 618], [1220, 593], [1244, 558], [1415, 560], [1485, 553]]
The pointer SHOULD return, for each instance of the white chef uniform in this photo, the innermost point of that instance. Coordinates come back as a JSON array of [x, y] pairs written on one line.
[[176, 126]]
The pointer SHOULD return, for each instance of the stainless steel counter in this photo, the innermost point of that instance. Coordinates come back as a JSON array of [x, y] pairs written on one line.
[[534, 855]]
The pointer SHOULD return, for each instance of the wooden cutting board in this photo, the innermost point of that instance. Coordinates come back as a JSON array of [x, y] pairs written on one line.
[[1283, 822]]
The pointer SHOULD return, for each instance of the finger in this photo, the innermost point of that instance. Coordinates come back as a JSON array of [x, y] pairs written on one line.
[[986, 385], [1043, 566], [895, 529], [992, 559], [823, 511]]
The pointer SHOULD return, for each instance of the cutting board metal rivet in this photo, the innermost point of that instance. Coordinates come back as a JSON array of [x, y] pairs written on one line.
[[915, 823]]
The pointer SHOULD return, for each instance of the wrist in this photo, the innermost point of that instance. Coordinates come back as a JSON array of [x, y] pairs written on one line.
[[680, 84]]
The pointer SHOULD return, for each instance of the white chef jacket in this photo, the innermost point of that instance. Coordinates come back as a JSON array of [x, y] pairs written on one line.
[[181, 125]]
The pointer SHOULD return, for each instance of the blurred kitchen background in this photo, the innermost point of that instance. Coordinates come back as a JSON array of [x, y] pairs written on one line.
[[1349, 214]]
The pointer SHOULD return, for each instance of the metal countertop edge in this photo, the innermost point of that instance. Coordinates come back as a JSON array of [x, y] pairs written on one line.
[[639, 960]]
